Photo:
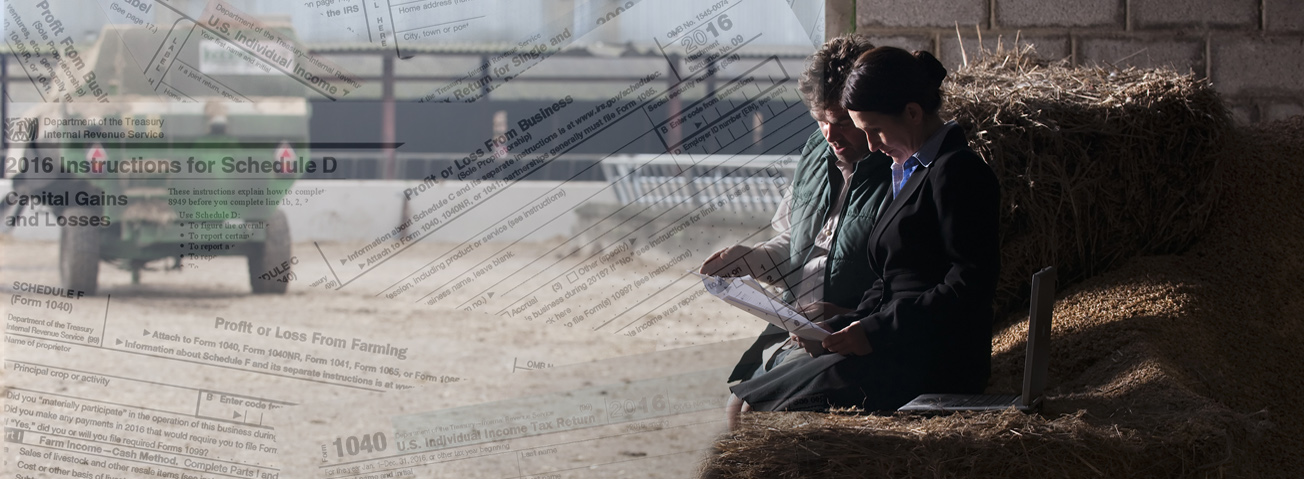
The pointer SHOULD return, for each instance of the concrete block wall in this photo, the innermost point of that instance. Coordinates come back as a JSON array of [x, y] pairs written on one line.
[[1252, 50]]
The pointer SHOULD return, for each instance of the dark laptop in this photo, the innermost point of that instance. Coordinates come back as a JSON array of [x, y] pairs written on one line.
[[1034, 364]]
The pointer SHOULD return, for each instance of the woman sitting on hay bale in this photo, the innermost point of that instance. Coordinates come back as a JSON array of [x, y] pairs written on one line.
[[925, 325]]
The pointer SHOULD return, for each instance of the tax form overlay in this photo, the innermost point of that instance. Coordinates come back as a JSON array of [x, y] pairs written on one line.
[[97, 387], [453, 282], [724, 120], [647, 415], [158, 60]]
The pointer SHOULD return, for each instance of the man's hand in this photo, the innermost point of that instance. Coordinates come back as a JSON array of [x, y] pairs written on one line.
[[850, 341], [726, 262], [822, 311]]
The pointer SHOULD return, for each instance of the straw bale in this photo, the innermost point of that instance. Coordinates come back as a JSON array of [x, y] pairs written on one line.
[[1167, 365], [1095, 165], [1006, 444]]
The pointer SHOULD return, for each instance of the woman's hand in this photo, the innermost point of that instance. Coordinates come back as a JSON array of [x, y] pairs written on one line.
[[726, 262], [812, 347], [850, 341]]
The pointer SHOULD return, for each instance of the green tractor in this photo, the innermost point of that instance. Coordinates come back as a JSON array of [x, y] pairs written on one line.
[[142, 178]]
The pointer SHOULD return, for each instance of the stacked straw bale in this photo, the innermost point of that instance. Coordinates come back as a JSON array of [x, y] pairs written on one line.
[[989, 445], [1172, 365], [1096, 166]]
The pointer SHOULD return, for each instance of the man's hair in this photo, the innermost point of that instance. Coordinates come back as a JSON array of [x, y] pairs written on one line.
[[826, 71]]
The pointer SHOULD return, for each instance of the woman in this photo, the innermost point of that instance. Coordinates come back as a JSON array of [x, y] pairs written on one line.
[[925, 325]]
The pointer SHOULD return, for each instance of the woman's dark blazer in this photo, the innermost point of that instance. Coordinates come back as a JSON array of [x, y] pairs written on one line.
[[928, 316]]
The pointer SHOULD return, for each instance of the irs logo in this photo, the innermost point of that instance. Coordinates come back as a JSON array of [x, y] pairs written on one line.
[[19, 130]]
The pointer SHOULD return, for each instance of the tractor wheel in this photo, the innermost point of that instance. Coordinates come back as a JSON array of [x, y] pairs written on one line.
[[79, 253], [269, 255]]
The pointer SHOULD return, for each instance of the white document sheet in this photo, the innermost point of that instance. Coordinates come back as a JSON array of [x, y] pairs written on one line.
[[748, 295]]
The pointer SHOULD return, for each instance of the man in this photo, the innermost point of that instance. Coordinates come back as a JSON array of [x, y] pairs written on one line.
[[838, 189]]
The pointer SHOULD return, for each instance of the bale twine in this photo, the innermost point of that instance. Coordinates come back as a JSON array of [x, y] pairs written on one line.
[[1095, 165]]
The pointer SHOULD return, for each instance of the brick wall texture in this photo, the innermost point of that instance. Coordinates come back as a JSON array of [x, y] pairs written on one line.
[[1252, 50]]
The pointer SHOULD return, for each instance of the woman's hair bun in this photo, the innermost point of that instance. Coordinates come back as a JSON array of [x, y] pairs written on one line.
[[886, 79], [932, 69]]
